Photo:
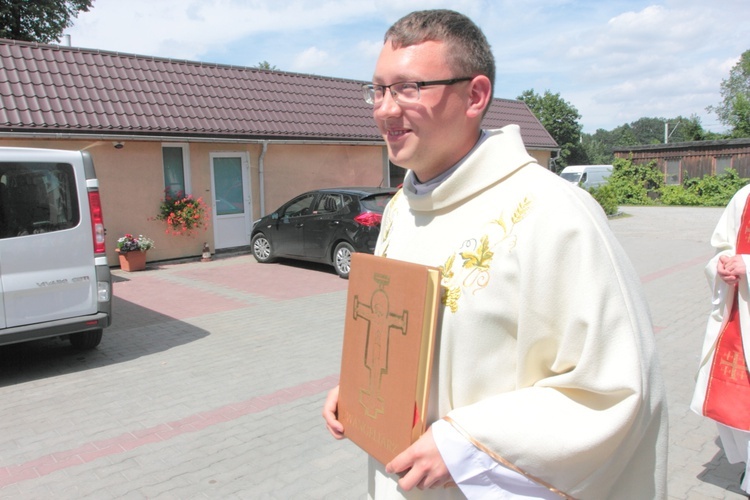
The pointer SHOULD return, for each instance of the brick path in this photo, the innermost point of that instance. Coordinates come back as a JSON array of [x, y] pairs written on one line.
[[210, 382]]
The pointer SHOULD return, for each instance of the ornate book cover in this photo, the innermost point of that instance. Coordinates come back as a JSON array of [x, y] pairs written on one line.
[[389, 340]]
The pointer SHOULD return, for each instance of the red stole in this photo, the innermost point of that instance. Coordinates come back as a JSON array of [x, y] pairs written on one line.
[[728, 393]]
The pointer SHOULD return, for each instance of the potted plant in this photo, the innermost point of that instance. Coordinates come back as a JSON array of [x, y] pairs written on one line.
[[183, 213], [132, 251]]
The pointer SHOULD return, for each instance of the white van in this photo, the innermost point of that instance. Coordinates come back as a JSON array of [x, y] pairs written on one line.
[[587, 176], [54, 276]]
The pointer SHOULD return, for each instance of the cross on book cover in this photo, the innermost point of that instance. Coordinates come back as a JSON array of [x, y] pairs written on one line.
[[389, 341]]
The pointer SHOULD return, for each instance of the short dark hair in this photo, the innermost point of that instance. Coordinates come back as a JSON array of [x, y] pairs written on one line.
[[469, 54]]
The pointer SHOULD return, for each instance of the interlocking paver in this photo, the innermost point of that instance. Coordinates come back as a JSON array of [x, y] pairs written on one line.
[[210, 382]]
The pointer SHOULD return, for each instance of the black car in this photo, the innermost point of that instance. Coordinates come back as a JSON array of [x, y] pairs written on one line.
[[326, 226]]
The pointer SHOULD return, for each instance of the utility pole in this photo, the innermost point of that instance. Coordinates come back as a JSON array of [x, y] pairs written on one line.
[[667, 133]]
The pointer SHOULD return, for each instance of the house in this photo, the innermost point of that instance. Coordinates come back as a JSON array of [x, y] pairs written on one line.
[[250, 137], [682, 160]]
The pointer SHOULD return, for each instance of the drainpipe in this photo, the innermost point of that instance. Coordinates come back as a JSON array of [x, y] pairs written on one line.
[[261, 170]]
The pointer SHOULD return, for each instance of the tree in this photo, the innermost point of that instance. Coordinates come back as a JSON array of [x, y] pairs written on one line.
[[598, 146], [734, 110], [265, 65], [560, 118], [38, 20]]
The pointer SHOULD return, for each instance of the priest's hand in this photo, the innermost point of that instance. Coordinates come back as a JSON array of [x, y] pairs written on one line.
[[330, 414], [420, 465], [731, 269]]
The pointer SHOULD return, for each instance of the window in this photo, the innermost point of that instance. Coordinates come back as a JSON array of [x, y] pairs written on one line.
[[37, 198], [175, 160], [723, 163], [673, 172], [300, 206], [328, 204]]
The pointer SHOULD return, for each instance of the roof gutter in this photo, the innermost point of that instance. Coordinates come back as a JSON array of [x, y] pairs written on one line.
[[183, 138], [220, 140]]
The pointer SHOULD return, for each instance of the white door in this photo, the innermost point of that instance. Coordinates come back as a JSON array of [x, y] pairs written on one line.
[[231, 209]]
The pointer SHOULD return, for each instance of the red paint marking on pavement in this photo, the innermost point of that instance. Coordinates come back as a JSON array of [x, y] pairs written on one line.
[[170, 300], [679, 267], [273, 281], [666, 272], [13, 474]]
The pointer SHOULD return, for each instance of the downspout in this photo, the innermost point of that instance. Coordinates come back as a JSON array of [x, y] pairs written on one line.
[[261, 172]]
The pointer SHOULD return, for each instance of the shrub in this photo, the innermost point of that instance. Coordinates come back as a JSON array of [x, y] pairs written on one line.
[[709, 191], [633, 183], [607, 198], [677, 195]]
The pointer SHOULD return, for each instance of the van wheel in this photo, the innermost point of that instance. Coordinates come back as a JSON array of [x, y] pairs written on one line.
[[86, 340]]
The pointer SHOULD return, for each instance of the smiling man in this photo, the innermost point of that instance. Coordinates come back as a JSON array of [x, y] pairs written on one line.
[[546, 382]]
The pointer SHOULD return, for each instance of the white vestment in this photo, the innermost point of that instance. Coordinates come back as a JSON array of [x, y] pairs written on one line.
[[546, 356], [736, 443]]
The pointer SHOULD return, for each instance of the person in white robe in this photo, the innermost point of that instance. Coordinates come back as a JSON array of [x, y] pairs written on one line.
[[725, 271], [546, 382]]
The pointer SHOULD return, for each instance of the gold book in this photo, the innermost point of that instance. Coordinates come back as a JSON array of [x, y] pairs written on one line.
[[389, 341]]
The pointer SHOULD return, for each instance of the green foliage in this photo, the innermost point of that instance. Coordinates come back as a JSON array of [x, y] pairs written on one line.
[[677, 195], [710, 190], [635, 184], [38, 20], [596, 150], [560, 118], [643, 185], [734, 110], [598, 147], [266, 65], [607, 198]]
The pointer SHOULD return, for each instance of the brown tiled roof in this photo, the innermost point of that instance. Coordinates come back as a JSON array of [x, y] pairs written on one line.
[[49, 88]]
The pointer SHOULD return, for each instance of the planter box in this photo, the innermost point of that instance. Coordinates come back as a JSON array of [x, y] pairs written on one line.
[[132, 261]]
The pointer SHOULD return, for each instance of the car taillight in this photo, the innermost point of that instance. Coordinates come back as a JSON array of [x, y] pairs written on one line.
[[369, 218], [97, 221]]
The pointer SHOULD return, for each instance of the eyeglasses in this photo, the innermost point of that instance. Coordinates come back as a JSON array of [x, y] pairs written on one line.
[[403, 92]]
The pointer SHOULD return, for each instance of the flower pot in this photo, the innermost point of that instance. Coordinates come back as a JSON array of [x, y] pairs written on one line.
[[132, 261]]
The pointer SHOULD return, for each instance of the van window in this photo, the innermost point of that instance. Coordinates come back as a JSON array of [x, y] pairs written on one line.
[[571, 176], [37, 198]]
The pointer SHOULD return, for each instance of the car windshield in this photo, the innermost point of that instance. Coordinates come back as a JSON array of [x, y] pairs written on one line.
[[571, 176], [376, 203]]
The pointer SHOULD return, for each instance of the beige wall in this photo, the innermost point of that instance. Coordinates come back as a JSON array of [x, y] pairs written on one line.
[[541, 157], [293, 169], [131, 182]]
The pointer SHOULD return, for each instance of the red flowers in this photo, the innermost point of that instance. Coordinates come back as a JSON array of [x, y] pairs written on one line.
[[182, 213]]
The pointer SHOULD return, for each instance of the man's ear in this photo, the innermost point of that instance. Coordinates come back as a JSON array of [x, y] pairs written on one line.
[[480, 95]]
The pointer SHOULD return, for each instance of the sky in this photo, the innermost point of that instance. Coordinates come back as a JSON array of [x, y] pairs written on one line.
[[615, 61]]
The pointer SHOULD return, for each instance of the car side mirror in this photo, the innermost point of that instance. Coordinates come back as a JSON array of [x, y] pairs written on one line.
[[275, 216]]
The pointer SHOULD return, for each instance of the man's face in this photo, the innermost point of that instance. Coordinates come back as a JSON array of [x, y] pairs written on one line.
[[433, 134]]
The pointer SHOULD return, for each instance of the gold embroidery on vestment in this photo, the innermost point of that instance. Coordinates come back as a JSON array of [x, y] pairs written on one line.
[[477, 255], [733, 367]]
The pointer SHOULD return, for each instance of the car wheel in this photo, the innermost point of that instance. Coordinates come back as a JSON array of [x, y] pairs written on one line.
[[262, 248], [342, 259], [86, 340]]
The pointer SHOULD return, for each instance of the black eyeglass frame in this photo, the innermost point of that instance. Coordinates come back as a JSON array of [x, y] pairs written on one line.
[[369, 88]]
